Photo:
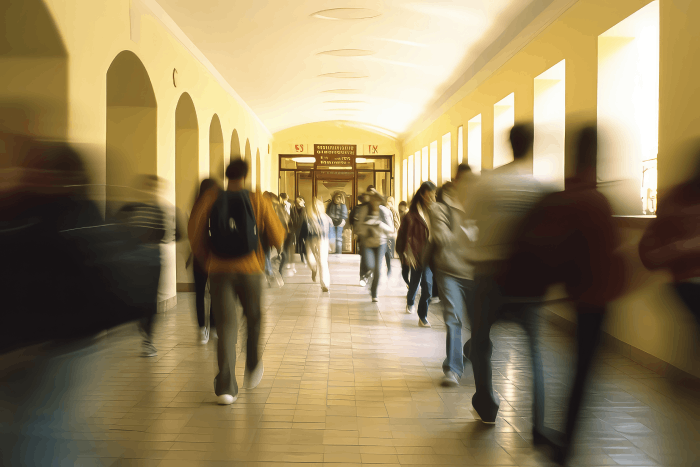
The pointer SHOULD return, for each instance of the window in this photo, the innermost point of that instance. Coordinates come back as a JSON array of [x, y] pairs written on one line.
[[628, 111], [409, 184], [460, 144], [404, 180], [549, 119], [417, 172], [446, 157], [434, 162], [425, 159], [503, 121], [474, 144]]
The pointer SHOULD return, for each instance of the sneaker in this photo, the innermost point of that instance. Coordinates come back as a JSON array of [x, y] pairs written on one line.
[[324, 289], [487, 421], [375, 300], [435, 300], [252, 378], [203, 335], [363, 282], [423, 322], [213, 334], [226, 399], [450, 379], [149, 350], [410, 308]]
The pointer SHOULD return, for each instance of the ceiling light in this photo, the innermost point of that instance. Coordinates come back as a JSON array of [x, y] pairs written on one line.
[[346, 13], [348, 52], [304, 160], [361, 160], [343, 91], [344, 102], [343, 74]]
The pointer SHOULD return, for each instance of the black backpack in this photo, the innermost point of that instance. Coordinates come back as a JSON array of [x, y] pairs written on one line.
[[233, 232]]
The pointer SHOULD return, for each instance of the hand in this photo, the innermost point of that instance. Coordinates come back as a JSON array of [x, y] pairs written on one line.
[[342, 223]]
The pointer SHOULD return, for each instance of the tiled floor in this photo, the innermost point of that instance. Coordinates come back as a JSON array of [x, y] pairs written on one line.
[[349, 382]]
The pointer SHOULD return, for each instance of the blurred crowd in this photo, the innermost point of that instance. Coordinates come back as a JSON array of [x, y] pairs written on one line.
[[489, 246]]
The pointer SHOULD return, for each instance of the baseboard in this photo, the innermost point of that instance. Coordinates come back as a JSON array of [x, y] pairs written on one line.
[[167, 304], [610, 342], [185, 287]]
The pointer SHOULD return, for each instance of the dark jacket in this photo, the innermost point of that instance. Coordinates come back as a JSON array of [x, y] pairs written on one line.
[[337, 212], [412, 239], [450, 239]]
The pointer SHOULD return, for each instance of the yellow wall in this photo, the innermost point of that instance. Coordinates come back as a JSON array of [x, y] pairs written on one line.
[[334, 133], [648, 317], [93, 34]]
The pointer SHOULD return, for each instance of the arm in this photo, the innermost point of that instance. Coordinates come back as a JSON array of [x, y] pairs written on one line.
[[387, 223], [272, 227], [441, 231]]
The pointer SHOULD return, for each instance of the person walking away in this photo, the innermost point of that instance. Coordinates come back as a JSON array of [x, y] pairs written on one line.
[[201, 277], [570, 237], [225, 232], [502, 200], [452, 236], [338, 213], [319, 225], [353, 223], [284, 200], [391, 241], [298, 219], [374, 227], [403, 209], [284, 220], [411, 244]]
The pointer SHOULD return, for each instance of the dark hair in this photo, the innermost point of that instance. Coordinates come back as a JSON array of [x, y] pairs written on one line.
[[284, 196], [522, 137], [237, 169], [403, 203], [370, 187], [418, 197], [207, 184], [462, 168], [586, 148]]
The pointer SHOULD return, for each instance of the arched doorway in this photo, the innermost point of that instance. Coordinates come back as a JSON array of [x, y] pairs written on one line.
[[258, 172], [247, 157], [132, 147], [186, 175], [235, 145], [216, 151]]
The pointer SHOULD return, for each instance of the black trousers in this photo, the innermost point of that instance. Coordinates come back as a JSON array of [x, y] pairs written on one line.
[[200, 288]]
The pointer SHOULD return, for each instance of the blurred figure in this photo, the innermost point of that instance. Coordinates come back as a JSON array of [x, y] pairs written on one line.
[[501, 200], [391, 241], [284, 200], [148, 222], [672, 240], [287, 254], [374, 226], [201, 276], [570, 237], [298, 219], [411, 243], [353, 223], [284, 220], [403, 209], [318, 227], [234, 221], [452, 237], [338, 213]]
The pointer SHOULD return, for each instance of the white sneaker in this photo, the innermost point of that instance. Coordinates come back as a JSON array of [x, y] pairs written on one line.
[[363, 282], [450, 379], [149, 350], [226, 399], [375, 300], [213, 334], [423, 323], [410, 309], [252, 379], [203, 335]]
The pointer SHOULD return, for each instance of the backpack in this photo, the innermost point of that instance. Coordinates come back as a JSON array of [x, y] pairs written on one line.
[[233, 232]]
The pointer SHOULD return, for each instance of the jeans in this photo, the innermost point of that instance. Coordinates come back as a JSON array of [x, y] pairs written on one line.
[[390, 247], [317, 256], [423, 277], [457, 297], [490, 305], [373, 262], [288, 250], [224, 289], [363, 262], [405, 273], [200, 288], [337, 236]]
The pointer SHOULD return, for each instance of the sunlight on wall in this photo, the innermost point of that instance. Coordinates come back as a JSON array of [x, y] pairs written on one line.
[[460, 144], [628, 107], [503, 121], [446, 157], [404, 180], [417, 170], [549, 119], [474, 144], [409, 184], [434, 162], [425, 164]]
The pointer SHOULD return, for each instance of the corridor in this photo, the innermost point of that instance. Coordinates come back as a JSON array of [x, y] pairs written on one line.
[[349, 382]]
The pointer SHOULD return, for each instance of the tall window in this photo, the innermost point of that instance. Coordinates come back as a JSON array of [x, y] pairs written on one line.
[[425, 160], [418, 170], [404, 180], [446, 157], [409, 184], [503, 121], [434, 162], [460, 144], [549, 119], [474, 144]]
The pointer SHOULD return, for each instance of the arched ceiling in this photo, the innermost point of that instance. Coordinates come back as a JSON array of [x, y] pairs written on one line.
[[378, 62]]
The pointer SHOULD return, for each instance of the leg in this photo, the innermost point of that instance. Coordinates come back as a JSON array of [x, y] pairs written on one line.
[[453, 290], [311, 245], [224, 304], [426, 287], [415, 281], [363, 262], [200, 287], [369, 255], [405, 271], [378, 254], [249, 290], [322, 261], [389, 254]]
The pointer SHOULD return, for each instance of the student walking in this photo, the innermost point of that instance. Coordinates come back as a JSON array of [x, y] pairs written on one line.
[[225, 232], [338, 213], [318, 227], [374, 227], [391, 240], [411, 243]]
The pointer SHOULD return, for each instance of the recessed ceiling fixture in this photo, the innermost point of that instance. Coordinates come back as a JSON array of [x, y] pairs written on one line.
[[348, 52], [343, 91], [343, 74], [346, 13], [344, 101]]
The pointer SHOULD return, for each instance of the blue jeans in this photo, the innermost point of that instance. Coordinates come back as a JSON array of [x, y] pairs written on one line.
[[423, 277], [336, 235], [491, 305], [373, 262], [457, 297]]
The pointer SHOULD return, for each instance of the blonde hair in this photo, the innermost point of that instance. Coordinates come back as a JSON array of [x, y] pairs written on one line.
[[315, 209]]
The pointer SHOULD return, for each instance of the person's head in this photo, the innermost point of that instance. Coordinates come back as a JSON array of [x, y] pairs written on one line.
[[338, 198], [370, 188], [522, 137], [425, 196], [375, 200], [283, 197], [403, 207], [206, 185], [390, 202], [463, 170], [237, 170], [299, 202]]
